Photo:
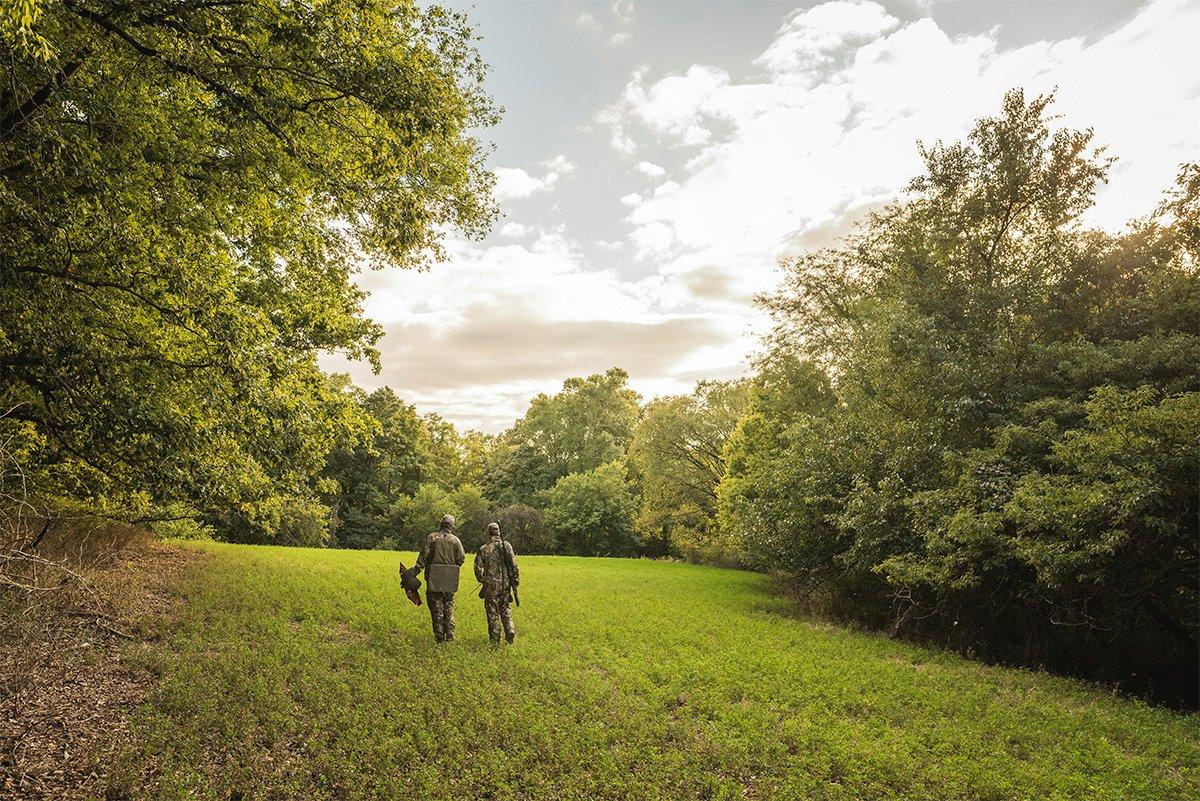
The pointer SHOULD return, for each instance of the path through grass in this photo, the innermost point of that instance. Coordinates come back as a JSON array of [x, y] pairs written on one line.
[[306, 674]]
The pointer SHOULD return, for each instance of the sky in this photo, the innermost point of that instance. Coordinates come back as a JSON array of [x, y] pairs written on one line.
[[655, 160]]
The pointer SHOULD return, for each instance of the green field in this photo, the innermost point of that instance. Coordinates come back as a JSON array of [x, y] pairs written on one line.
[[305, 674]]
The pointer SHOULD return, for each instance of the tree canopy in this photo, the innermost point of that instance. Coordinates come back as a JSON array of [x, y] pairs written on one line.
[[1005, 465], [186, 189], [678, 450], [588, 424]]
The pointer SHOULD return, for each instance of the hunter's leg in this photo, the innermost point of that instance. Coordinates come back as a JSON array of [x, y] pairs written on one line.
[[493, 618], [434, 601], [505, 610], [448, 616]]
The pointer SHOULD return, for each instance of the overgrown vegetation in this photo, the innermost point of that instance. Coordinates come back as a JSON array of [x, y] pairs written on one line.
[[1010, 462], [185, 192], [306, 674]]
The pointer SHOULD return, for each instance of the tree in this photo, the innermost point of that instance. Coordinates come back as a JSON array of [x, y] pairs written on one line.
[[185, 192], [474, 512], [678, 449], [777, 488], [1002, 377], [415, 516], [370, 472], [588, 424], [591, 513], [524, 527], [450, 458]]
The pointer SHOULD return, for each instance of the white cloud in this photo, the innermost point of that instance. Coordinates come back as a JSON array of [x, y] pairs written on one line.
[[559, 165], [609, 245], [622, 141], [515, 230], [514, 183], [477, 336], [619, 38], [652, 240], [586, 20], [611, 118], [623, 10], [829, 131], [651, 169], [676, 105], [814, 38]]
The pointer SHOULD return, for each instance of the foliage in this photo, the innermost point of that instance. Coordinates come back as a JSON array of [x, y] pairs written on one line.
[[524, 527], [678, 449], [473, 515], [631, 680], [588, 424], [278, 520], [415, 516], [1005, 467], [591, 514], [185, 192], [368, 474]]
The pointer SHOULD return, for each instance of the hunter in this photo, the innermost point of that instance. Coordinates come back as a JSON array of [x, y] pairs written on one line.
[[496, 569], [441, 558]]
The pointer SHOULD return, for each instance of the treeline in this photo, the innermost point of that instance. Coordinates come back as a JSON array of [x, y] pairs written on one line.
[[558, 481], [978, 420], [588, 471]]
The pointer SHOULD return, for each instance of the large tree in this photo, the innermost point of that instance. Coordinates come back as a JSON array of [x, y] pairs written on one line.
[[591, 513], [186, 189], [678, 450], [586, 425], [1006, 465], [365, 475]]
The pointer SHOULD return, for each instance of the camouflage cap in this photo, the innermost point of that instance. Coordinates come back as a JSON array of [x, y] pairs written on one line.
[[494, 527], [448, 521]]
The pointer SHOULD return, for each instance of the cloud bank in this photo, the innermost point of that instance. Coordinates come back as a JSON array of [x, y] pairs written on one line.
[[726, 173], [828, 131]]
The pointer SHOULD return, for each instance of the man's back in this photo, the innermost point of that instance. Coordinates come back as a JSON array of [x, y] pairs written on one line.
[[441, 557], [492, 564], [443, 548]]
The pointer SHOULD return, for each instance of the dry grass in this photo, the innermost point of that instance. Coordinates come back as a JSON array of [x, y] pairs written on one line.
[[68, 612]]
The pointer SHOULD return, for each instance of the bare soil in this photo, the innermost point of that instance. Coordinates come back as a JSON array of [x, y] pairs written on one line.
[[70, 678]]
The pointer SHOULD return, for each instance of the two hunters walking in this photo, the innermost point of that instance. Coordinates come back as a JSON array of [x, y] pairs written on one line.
[[495, 568]]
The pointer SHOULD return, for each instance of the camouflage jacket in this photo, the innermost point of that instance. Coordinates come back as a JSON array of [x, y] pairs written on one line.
[[442, 548], [490, 564]]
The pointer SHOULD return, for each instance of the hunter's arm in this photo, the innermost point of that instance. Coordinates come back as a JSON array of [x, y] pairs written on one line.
[[423, 557]]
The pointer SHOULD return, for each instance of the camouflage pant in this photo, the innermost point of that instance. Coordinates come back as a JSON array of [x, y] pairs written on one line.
[[441, 612], [499, 613]]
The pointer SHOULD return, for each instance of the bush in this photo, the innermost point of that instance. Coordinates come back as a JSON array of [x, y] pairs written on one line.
[[525, 528], [591, 514]]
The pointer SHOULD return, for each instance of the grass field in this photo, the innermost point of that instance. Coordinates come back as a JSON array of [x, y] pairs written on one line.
[[306, 674]]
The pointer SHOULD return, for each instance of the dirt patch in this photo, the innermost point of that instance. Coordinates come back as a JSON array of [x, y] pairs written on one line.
[[70, 678]]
